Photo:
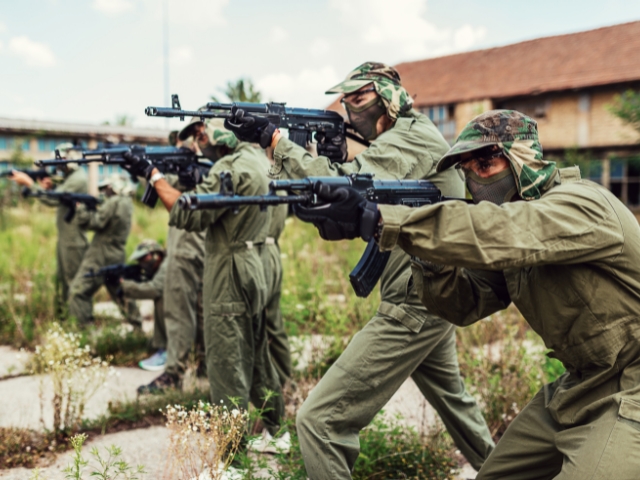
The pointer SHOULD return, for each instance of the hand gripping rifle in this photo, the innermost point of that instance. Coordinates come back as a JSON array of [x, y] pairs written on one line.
[[67, 199], [301, 122], [185, 163], [413, 193], [33, 174]]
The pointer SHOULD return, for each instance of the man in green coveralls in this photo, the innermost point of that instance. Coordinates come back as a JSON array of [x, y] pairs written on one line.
[[235, 288], [403, 339], [150, 256], [568, 257], [72, 240], [182, 298], [111, 223]]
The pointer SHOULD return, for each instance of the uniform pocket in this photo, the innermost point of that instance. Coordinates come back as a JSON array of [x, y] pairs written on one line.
[[629, 413], [410, 320]]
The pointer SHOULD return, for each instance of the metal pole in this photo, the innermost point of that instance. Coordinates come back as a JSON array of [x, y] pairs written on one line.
[[167, 95]]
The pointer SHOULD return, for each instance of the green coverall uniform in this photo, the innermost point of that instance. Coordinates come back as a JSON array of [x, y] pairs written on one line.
[[183, 297], [279, 348], [235, 288], [570, 262], [72, 240], [111, 223], [151, 290], [403, 339]]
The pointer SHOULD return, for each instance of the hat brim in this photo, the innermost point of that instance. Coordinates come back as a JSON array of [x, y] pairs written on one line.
[[187, 131], [452, 157], [349, 86]]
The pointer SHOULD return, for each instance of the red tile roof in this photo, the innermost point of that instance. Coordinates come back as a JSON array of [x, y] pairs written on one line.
[[604, 56]]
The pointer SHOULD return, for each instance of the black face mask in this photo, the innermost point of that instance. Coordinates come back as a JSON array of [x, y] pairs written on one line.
[[498, 189], [364, 119]]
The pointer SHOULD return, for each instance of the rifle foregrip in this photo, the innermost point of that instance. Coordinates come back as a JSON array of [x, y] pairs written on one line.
[[150, 196], [368, 271], [70, 213]]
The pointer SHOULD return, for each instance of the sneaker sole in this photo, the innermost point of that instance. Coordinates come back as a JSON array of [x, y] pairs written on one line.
[[151, 368]]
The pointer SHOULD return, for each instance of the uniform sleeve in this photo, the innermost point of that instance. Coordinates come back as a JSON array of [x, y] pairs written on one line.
[[98, 219], [74, 183], [146, 290], [200, 220], [293, 161], [573, 225], [461, 296]]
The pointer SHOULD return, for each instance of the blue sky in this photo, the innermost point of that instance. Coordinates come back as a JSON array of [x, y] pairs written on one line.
[[91, 60]]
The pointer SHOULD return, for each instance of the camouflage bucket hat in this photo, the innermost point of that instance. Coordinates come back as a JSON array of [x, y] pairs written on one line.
[[386, 81], [517, 135], [187, 131], [118, 184], [144, 248], [218, 135], [68, 151]]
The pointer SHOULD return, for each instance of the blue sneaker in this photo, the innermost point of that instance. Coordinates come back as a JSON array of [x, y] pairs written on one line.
[[155, 362]]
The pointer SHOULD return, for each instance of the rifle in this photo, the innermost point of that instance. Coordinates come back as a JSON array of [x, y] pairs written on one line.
[[67, 199], [34, 174], [301, 122], [413, 193], [178, 160], [113, 273]]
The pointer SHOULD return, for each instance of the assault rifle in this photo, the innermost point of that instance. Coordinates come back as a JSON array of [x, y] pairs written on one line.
[[67, 199], [113, 273], [301, 122], [34, 174], [190, 167], [413, 193]]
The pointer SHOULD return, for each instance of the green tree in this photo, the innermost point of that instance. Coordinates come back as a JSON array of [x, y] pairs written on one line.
[[627, 108], [241, 90]]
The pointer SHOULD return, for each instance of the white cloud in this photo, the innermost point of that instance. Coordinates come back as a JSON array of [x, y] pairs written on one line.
[[113, 7], [278, 34], [319, 46], [404, 28], [467, 35], [179, 56], [305, 89], [34, 54], [198, 12]]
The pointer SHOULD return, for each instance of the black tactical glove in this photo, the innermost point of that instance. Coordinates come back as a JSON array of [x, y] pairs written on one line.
[[334, 147], [190, 178], [136, 166], [344, 214], [250, 128]]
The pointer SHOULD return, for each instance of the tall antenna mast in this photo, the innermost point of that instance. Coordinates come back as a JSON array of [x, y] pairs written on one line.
[[167, 95]]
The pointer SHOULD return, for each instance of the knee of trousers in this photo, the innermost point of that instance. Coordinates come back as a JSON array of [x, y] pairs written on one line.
[[306, 417]]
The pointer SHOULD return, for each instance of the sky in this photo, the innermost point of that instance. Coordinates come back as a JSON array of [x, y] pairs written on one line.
[[92, 60]]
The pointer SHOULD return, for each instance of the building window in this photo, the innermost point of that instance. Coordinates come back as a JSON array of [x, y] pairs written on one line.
[[536, 108], [443, 117]]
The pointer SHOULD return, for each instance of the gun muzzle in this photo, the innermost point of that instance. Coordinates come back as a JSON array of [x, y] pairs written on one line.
[[151, 111], [188, 202]]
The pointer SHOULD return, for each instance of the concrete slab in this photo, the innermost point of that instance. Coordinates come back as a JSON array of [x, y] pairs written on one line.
[[20, 397], [12, 361], [409, 404], [146, 446]]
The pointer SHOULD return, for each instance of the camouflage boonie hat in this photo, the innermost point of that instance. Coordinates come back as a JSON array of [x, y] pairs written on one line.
[[68, 152], [187, 131], [218, 135], [386, 81], [118, 184], [144, 248], [517, 135]]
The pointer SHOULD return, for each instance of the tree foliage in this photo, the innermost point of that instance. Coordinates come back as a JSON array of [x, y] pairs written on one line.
[[627, 108], [241, 90]]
